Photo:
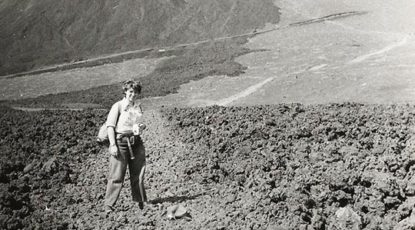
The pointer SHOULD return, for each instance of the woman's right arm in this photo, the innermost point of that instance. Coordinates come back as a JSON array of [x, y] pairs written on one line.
[[113, 149], [111, 124]]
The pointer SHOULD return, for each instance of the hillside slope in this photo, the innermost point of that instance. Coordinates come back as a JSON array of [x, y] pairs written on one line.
[[38, 33], [288, 166]]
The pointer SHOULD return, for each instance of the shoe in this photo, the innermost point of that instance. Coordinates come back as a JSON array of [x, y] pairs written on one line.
[[141, 205], [108, 210]]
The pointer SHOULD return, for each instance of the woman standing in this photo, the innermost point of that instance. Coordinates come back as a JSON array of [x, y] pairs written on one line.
[[126, 147]]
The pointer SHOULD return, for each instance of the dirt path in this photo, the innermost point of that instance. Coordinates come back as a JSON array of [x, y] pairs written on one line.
[[389, 47], [248, 91]]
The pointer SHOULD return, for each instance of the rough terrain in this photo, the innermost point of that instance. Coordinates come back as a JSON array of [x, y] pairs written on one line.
[[314, 165], [289, 166]]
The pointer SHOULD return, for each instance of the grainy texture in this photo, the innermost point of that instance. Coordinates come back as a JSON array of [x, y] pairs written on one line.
[[340, 166]]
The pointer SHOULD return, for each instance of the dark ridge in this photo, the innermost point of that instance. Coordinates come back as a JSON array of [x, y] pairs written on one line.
[[38, 34]]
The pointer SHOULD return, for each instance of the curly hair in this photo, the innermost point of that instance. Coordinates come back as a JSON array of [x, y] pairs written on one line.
[[131, 84]]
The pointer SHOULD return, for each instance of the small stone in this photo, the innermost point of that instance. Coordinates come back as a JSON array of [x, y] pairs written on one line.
[[51, 165], [410, 187], [72, 215], [230, 198], [176, 211], [121, 218], [346, 218], [29, 167]]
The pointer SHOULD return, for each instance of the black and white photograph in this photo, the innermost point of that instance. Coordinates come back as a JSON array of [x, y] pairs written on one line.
[[207, 114]]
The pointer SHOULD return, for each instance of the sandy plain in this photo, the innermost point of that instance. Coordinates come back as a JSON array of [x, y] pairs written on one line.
[[366, 58]]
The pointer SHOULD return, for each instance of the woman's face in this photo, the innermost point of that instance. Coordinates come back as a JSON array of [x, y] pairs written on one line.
[[130, 95]]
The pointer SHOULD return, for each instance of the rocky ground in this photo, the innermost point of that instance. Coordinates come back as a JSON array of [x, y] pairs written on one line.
[[289, 166], [283, 166]]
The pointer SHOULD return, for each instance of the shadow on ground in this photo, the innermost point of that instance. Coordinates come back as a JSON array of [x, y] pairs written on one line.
[[174, 199]]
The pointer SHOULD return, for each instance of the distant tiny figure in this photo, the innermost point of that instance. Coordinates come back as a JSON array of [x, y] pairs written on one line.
[[124, 124]]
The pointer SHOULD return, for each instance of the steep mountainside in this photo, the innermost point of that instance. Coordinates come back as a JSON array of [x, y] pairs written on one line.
[[38, 33]]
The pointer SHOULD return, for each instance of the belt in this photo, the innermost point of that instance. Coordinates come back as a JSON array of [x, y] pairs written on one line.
[[130, 138]]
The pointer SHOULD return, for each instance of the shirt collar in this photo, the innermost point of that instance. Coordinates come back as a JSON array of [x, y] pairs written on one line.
[[126, 104]]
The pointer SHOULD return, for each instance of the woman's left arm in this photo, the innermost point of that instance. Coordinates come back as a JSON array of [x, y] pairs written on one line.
[[141, 126]]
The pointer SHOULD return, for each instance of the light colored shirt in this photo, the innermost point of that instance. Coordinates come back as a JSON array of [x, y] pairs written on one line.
[[123, 116]]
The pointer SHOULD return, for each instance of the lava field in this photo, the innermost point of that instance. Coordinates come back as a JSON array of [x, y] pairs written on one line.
[[288, 166]]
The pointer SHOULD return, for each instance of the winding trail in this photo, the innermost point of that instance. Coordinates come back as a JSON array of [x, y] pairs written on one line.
[[244, 93], [381, 51]]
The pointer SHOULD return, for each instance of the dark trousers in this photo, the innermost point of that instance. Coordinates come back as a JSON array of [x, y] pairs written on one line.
[[118, 167]]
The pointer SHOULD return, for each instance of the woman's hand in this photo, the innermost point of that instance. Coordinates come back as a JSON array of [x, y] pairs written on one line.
[[113, 149], [138, 128], [141, 127]]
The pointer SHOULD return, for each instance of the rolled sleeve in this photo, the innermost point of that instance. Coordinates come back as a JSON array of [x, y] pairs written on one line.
[[113, 116]]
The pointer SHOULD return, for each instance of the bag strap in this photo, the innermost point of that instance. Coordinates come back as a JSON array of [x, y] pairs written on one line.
[[119, 109]]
